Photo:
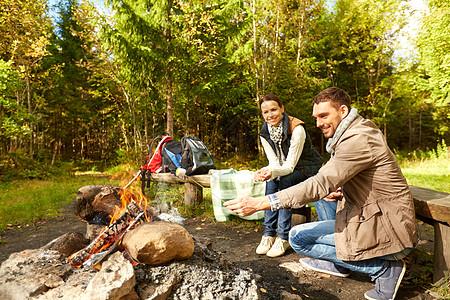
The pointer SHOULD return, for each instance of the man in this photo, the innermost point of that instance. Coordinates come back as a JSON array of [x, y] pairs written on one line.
[[375, 221]]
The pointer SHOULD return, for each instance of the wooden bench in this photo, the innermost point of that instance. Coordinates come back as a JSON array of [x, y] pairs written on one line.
[[193, 192], [433, 207], [193, 185]]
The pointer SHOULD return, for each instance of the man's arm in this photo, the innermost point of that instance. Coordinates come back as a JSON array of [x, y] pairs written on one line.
[[353, 157], [246, 206]]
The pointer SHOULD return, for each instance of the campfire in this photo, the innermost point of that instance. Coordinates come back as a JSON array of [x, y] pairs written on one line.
[[127, 252], [133, 210], [110, 237]]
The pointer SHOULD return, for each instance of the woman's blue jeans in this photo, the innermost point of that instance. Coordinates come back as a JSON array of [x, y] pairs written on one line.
[[279, 222]]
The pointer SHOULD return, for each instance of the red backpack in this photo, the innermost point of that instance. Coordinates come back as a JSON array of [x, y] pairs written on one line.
[[154, 163]]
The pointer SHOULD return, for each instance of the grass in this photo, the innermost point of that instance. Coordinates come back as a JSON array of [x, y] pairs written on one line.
[[428, 169], [428, 173], [27, 201], [440, 289]]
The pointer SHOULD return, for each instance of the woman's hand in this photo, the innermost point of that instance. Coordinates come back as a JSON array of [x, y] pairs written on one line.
[[263, 174]]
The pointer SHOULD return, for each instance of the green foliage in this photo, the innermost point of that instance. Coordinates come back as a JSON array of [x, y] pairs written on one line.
[[429, 169], [440, 289], [13, 116], [239, 162], [186, 67], [435, 52], [19, 165], [24, 26], [421, 270], [359, 48], [433, 66], [440, 153]]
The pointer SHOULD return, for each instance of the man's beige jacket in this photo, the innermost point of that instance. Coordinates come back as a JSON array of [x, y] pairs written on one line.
[[376, 216]]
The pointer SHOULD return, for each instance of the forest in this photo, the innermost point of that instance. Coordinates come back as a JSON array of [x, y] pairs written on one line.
[[84, 82]]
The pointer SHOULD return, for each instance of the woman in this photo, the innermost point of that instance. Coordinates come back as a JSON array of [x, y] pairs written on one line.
[[292, 159]]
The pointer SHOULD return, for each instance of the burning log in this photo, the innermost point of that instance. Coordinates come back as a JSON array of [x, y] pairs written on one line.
[[110, 237], [95, 199]]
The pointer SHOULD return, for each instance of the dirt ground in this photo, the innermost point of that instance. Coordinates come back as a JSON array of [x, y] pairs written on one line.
[[238, 246]]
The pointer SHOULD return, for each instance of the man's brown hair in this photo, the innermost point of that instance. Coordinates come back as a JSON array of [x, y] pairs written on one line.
[[335, 95]]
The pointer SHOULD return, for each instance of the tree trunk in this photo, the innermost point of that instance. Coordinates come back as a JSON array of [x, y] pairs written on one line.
[[27, 80], [169, 128], [300, 36], [56, 150], [384, 113], [255, 52]]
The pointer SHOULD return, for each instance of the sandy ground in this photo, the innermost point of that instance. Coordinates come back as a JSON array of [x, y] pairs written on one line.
[[238, 245]]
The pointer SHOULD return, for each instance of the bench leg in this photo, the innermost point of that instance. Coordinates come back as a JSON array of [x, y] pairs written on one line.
[[192, 194], [300, 215], [441, 251]]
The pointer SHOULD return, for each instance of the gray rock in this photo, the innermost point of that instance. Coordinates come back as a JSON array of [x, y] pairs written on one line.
[[156, 243], [67, 243], [29, 273], [114, 281]]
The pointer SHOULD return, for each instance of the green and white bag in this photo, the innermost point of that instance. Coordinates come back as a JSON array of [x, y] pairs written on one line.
[[231, 184]]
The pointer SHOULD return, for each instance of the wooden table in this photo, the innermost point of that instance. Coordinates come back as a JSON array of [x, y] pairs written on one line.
[[433, 207]]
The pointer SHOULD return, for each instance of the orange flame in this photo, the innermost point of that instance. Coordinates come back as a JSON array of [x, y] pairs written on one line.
[[132, 193]]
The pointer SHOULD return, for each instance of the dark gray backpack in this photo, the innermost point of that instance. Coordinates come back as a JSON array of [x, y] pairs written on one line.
[[195, 157]]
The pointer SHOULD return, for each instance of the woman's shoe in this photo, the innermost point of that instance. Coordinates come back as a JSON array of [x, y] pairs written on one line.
[[279, 247], [265, 244]]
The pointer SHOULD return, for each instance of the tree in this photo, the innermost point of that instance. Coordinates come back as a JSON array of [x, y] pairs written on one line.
[[13, 125], [142, 41], [25, 27], [79, 95], [434, 65]]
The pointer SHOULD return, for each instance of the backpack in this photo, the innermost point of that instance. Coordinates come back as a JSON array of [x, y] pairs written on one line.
[[154, 162], [171, 156], [195, 158]]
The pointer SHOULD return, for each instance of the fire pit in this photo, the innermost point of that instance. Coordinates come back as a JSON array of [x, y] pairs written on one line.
[[115, 265]]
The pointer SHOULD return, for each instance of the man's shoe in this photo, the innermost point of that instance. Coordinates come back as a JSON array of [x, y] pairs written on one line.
[[387, 284], [279, 247], [324, 266], [265, 244]]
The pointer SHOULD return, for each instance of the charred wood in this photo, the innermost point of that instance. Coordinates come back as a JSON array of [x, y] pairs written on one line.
[[110, 234]]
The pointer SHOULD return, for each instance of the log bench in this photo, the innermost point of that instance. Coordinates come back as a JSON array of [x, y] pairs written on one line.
[[432, 207], [193, 185], [193, 192]]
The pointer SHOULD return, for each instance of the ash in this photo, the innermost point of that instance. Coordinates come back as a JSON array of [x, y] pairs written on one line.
[[206, 275], [46, 274]]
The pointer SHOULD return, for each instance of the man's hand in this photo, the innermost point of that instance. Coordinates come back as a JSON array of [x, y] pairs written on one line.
[[263, 174], [246, 206], [334, 196]]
